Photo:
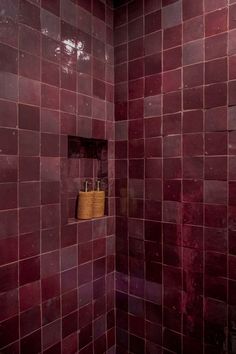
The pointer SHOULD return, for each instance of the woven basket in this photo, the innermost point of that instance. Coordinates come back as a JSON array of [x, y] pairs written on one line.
[[98, 204], [85, 206]]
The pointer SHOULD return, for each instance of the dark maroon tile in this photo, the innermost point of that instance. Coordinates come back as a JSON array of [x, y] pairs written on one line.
[[135, 9], [215, 216], [171, 80], [215, 287], [29, 219], [52, 6], [216, 119], [29, 270], [215, 264], [50, 287], [172, 58], [9, 331], [193, 144], [192, 10], [172, 124], [32, 342], [9, 304], [193, 213], [9, 277], [8, 141], [172, 37], [153, 22], [9, 59], [216, 71], [216, 95], [8, 196], [30, 320], [69, 324], [51, 310], [216, 168], [216, 143], [29, 14], [193, 75], [193, 121], [216, 46], [29, 295], [172, 102], [8, 223], [29, 245], [28, 117]]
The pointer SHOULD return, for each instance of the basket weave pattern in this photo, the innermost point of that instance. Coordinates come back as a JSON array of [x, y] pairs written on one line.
[[98, 204], [85, 206]]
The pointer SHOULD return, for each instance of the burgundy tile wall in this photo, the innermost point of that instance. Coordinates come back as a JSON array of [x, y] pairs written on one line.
[[175, 98], [56, 79]]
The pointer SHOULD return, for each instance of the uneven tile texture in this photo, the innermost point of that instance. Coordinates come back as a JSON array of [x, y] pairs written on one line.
[[56, 275], [175, 98]]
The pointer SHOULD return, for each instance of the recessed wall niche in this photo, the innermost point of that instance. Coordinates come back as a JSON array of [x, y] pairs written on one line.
[[87, 160]]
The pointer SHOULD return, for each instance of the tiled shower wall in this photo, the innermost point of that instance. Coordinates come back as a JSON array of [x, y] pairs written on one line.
[[56, 79], [175, 111]]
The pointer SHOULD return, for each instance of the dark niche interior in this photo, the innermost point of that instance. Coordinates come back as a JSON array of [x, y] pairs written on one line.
[[87, 160]]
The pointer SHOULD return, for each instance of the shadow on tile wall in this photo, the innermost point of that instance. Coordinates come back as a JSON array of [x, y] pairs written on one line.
[[175, 97]]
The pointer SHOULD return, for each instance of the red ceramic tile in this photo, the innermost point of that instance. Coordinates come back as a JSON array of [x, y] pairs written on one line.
[[32, 342], [10, 330], [193, 29], [135, 28], [29, 14], [193, 52], [29, 270], [192, 10], [193, 121], [216, 143], [153, 22], [211, 5], [9, 250], [8, 114], [172, 37], [29, 117], [9, 59], [215, 95], [172, 124], [216, 46], [216, 119], [9, 86], [172, 58], [172, 102], [29, 245], [215, 215], [29, 40], [29, 91], [219, 17], [52, 6], [8, 229], [216, 168], [153, 43], [171, 80], [171, 16], [216, 71], [9, 139], [28, 143], [30, 320]]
